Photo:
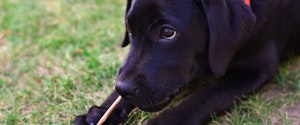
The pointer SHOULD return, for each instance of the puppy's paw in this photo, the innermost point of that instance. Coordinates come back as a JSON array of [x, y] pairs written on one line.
[[94, 115]]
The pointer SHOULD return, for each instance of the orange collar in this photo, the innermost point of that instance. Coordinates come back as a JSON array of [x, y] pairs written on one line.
[[247, 2]]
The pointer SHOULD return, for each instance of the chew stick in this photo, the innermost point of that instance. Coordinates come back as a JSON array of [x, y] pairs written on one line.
[[109, 111]]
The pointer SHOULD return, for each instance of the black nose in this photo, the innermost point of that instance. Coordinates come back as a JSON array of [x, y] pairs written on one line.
[[126, 89]]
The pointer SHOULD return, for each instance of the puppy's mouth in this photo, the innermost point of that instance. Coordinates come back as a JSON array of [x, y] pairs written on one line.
[[157, 106], [154, 107]]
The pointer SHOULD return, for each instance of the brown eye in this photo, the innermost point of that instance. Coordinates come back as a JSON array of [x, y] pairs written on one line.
[[167, 33], [128, 29]]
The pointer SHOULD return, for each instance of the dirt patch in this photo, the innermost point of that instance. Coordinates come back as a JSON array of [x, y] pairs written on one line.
[[293, 112], [285, 97], [271, 91], [287, 114]]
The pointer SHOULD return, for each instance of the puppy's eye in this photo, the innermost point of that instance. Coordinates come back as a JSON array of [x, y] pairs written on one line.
[[167, 33]]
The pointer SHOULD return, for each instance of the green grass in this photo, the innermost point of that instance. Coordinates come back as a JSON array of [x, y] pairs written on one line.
[[60, 57]]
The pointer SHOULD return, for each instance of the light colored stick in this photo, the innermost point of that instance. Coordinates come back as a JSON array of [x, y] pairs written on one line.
[[109, 111]]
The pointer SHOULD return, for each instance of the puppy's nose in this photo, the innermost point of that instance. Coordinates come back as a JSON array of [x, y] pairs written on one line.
[[126, 89]]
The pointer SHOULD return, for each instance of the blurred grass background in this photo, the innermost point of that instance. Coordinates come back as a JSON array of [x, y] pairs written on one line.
[[60, 57]]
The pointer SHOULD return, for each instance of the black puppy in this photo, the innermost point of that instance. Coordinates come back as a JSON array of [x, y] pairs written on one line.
[[174, 42]]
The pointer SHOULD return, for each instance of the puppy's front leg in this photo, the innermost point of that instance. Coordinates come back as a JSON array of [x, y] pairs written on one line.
[[119, 115], [196, 109]]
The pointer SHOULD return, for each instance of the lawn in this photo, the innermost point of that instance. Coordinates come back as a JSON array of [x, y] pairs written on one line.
[[60, 57]]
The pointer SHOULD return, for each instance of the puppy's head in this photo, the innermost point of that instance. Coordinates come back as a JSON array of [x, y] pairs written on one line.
[[171, 42]]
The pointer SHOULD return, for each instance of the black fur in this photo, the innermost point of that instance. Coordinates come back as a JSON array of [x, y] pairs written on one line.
[[237, 47]]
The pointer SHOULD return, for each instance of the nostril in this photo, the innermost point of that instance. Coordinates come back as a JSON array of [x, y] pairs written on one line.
[[127, 90]]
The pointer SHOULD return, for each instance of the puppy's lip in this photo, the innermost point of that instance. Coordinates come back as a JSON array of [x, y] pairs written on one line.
[[163, 103], [157, 106]]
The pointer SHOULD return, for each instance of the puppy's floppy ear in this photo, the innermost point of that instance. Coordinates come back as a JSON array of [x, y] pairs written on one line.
[[126, 37], [230, 23]]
